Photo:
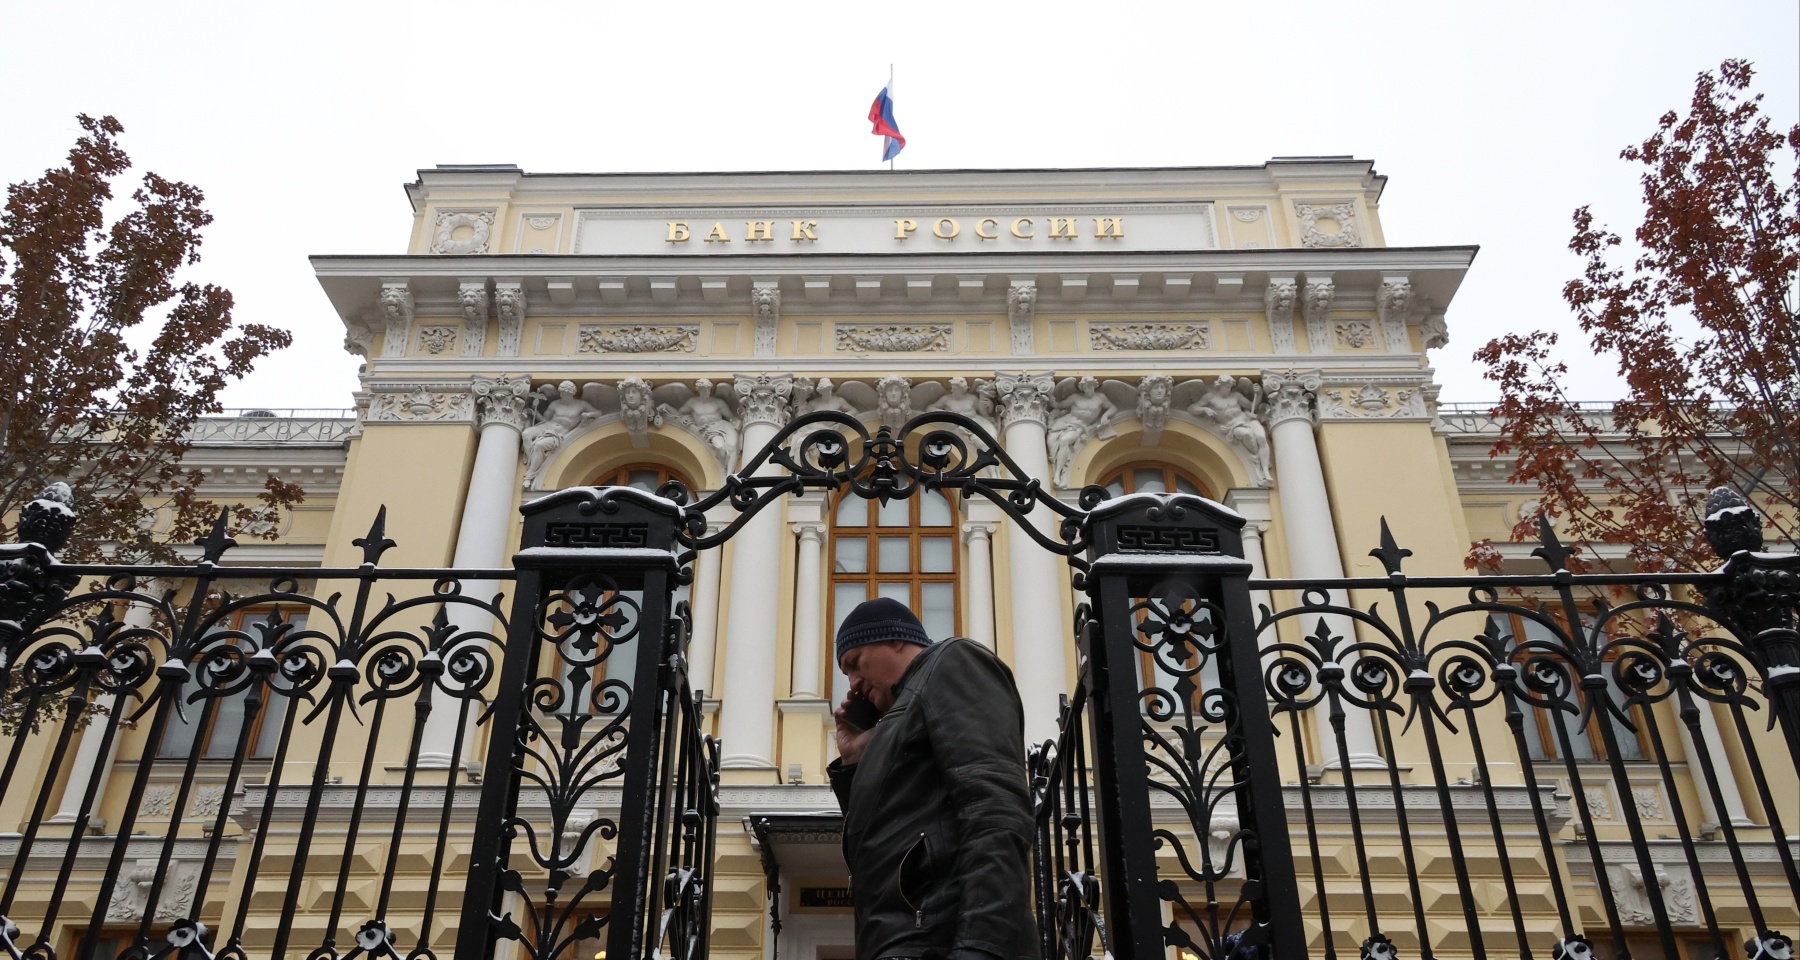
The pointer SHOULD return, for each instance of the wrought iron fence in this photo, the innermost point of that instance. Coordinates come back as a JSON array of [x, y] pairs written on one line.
[[295, 747]]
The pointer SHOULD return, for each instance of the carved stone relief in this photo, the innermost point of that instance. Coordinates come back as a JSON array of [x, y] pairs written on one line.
[[501, 400], [637, 409], [765, 301], [397, 313], [1435, 332], [158, 801], [763, 398], [712, 418], [1153, 401], [436, 339], [1290, 395], [894, 338], [447, 236], [1354, 334], [1024, 397], [1393, 304], [1648, 802], [1229, 406], [1279, 298], [637, 338], [131, 892], [1021, 311], [1369, 401], [1316, 303], [207, 800], [420, 402], [474, 297], [1327, 224], [509, 304], [557, 412], [1150, 336], [1629, 891]]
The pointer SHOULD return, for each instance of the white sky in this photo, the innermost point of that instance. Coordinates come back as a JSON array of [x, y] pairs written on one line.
[[1493, 121]]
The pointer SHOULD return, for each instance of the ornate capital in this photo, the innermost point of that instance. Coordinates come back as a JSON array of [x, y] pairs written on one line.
[[810, 530], [509, 303], [501, 400], [474, 298], [1024, 397], [396, 302], [973, 530], [1021, 308], [1316, 302], [1290, 395], [1393, 304], [765, 302], [1279, 298], [763, 398]]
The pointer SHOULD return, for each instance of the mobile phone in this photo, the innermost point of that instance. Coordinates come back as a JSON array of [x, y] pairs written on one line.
[[860, 712]]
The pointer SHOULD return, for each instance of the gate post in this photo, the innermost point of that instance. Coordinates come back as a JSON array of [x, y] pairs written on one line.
[[597, 572], [1167, 579]]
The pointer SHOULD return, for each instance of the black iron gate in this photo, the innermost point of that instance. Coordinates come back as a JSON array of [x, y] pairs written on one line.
[[1206, 794]]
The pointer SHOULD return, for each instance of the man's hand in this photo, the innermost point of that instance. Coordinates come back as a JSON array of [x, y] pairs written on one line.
[[851, 740]]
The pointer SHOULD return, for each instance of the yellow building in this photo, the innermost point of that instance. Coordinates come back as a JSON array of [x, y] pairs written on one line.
[[1246, 334]]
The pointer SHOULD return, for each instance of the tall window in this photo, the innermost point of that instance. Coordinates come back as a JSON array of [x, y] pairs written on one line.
[[218, 738], [903, 549], [1542, 739]]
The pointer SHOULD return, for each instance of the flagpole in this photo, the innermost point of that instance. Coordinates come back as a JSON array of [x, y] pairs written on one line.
[[890, 96]]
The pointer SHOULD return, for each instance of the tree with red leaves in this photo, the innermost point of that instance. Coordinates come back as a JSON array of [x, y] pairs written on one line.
[[79, 402], [1704, 327]]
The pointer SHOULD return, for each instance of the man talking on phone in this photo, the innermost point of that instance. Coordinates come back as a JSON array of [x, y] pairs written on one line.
[[931, 777]]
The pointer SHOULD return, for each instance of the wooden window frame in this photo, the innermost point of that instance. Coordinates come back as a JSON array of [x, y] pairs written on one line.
[[1539, 719], [871, 532], [239, 620]]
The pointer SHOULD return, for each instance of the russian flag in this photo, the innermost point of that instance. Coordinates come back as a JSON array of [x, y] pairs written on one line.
[[881, 114]]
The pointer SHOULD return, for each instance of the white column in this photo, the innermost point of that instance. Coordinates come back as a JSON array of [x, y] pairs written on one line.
[[1715, 749], [1252, 503], [809, 595], [1039, 635], [978, 594], [488, 508], [1311, 534], [705, 611], [88, 764], [747, 707]]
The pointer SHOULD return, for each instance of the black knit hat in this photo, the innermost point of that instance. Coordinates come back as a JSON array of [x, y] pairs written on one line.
[[876, 620]]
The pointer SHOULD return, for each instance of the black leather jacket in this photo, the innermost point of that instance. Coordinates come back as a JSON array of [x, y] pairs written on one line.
[[937, 819]]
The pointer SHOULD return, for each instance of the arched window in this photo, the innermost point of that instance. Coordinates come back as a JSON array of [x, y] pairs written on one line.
[[644, 476], [1147, 477], [904, 549]]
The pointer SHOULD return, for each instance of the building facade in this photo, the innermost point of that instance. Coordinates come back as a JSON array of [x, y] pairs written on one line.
[[1246, 334]]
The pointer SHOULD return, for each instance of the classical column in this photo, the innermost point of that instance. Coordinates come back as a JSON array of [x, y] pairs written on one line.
[[1037, 616], [1252, 503], [1311, 535], [488, 507], [1715, 750], [705, 607], [978, 608], [747, 708], [88, 765], [809, 595]]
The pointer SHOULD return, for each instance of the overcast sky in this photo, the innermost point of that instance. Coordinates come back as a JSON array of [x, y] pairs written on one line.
[[301, 121]]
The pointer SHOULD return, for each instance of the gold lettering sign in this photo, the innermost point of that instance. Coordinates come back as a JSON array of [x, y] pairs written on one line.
[[803, 230], [755, 230], [717, 234], [904, 227], [1027, 234], [987, 224], [937, 229], [678, 232], [1062, 228], [1109, 227], [944, 228]]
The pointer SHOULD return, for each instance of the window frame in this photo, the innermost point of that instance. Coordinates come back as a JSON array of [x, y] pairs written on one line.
[[1545, 733], [871, 532], [273, 701]]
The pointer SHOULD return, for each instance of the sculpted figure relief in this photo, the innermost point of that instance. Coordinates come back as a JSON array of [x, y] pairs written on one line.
[[961, 400], [709, 417], [1079, 414], [558, 412], [820, 396], [1232, 403]]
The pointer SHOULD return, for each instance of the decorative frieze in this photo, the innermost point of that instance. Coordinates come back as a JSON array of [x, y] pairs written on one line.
[[473, 295], [1327, 224], [1021, 313], [1150, 336], [429, 402], [444, 235], [1372, 401], [437, 339], [637, 338], [1279, 298], [509, 305], [894, 338]]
